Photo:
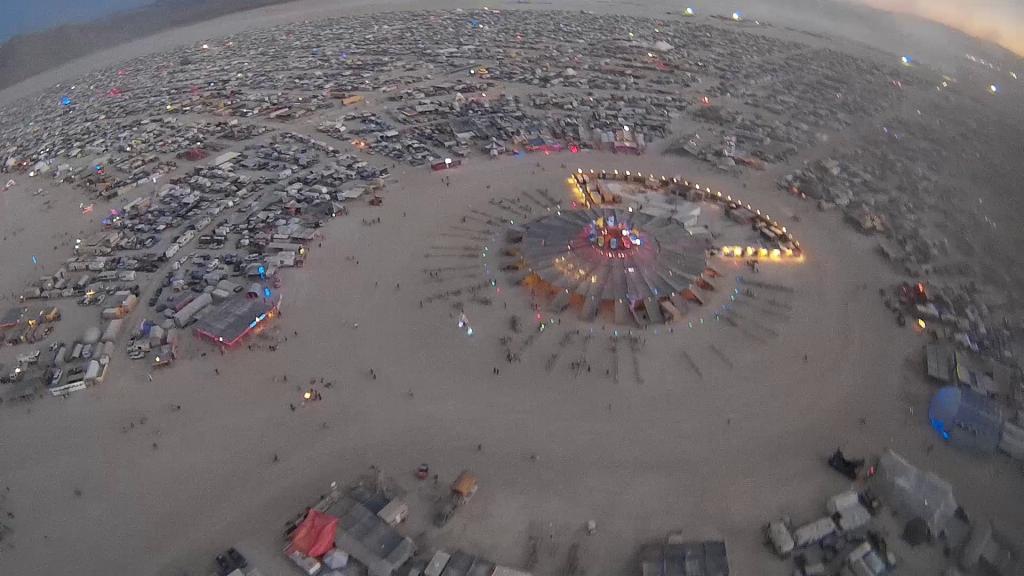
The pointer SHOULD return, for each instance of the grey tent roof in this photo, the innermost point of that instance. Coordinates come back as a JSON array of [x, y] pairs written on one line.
[[463, 564], [913, 492], [686, 559], [940, 362], [368, 538]]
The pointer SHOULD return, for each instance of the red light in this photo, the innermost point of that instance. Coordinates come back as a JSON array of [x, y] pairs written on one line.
[[574, 149], [538, 316]]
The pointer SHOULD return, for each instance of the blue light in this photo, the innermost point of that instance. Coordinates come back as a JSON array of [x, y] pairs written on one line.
[[262, 271], [939, 427], [266, 292], [65, 101]]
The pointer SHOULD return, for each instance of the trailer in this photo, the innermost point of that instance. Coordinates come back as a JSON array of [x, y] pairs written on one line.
[[93, 373], [185, 315], [814, 532], [462, 491], [73, 386], [112, 330]]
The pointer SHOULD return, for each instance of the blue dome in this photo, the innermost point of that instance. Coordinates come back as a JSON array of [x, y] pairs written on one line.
[[945, 404], [943, 409]]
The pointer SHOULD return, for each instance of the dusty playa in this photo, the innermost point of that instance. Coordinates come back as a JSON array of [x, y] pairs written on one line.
[[709, 431]]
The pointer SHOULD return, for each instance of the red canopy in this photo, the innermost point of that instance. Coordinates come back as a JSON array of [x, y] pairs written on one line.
[[315, 536]]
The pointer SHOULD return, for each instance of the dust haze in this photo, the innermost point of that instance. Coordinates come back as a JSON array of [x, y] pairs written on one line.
[[998, 21]]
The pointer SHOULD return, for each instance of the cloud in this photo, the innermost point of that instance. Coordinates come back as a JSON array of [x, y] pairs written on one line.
[[999, 21]]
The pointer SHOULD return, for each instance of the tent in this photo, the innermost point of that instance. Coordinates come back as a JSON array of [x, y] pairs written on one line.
[[966, 418], [913, 492], [315, 535]]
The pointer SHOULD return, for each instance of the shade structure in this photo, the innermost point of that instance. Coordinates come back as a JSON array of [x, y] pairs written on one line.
[[315, 535], [615, 259]]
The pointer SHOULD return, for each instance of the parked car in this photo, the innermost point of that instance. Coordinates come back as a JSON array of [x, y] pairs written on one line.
[[236, 557]]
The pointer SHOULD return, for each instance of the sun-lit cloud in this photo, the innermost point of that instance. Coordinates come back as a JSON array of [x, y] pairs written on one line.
[[1000, 21]]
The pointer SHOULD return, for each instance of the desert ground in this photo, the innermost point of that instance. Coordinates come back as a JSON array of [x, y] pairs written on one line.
[[117, 480]]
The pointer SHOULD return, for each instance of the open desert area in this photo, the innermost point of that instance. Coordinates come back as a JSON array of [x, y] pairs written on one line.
[[810, 220]]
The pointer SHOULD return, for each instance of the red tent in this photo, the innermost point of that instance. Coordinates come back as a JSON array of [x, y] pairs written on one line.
[[315, 536]]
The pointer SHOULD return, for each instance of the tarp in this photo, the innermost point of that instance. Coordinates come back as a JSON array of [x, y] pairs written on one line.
[[913, 492], [315, 535]]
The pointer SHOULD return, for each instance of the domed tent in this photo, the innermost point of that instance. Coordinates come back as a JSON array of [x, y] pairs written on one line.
[[966, 418], [943, 409]]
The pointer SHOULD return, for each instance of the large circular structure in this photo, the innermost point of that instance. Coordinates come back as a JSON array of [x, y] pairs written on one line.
[[636, 266]]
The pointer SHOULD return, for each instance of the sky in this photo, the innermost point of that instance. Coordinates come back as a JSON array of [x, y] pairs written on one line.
[[1001, 21], [24, 16]]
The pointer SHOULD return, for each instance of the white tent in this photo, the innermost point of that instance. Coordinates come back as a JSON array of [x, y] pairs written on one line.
[[913, 492]]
